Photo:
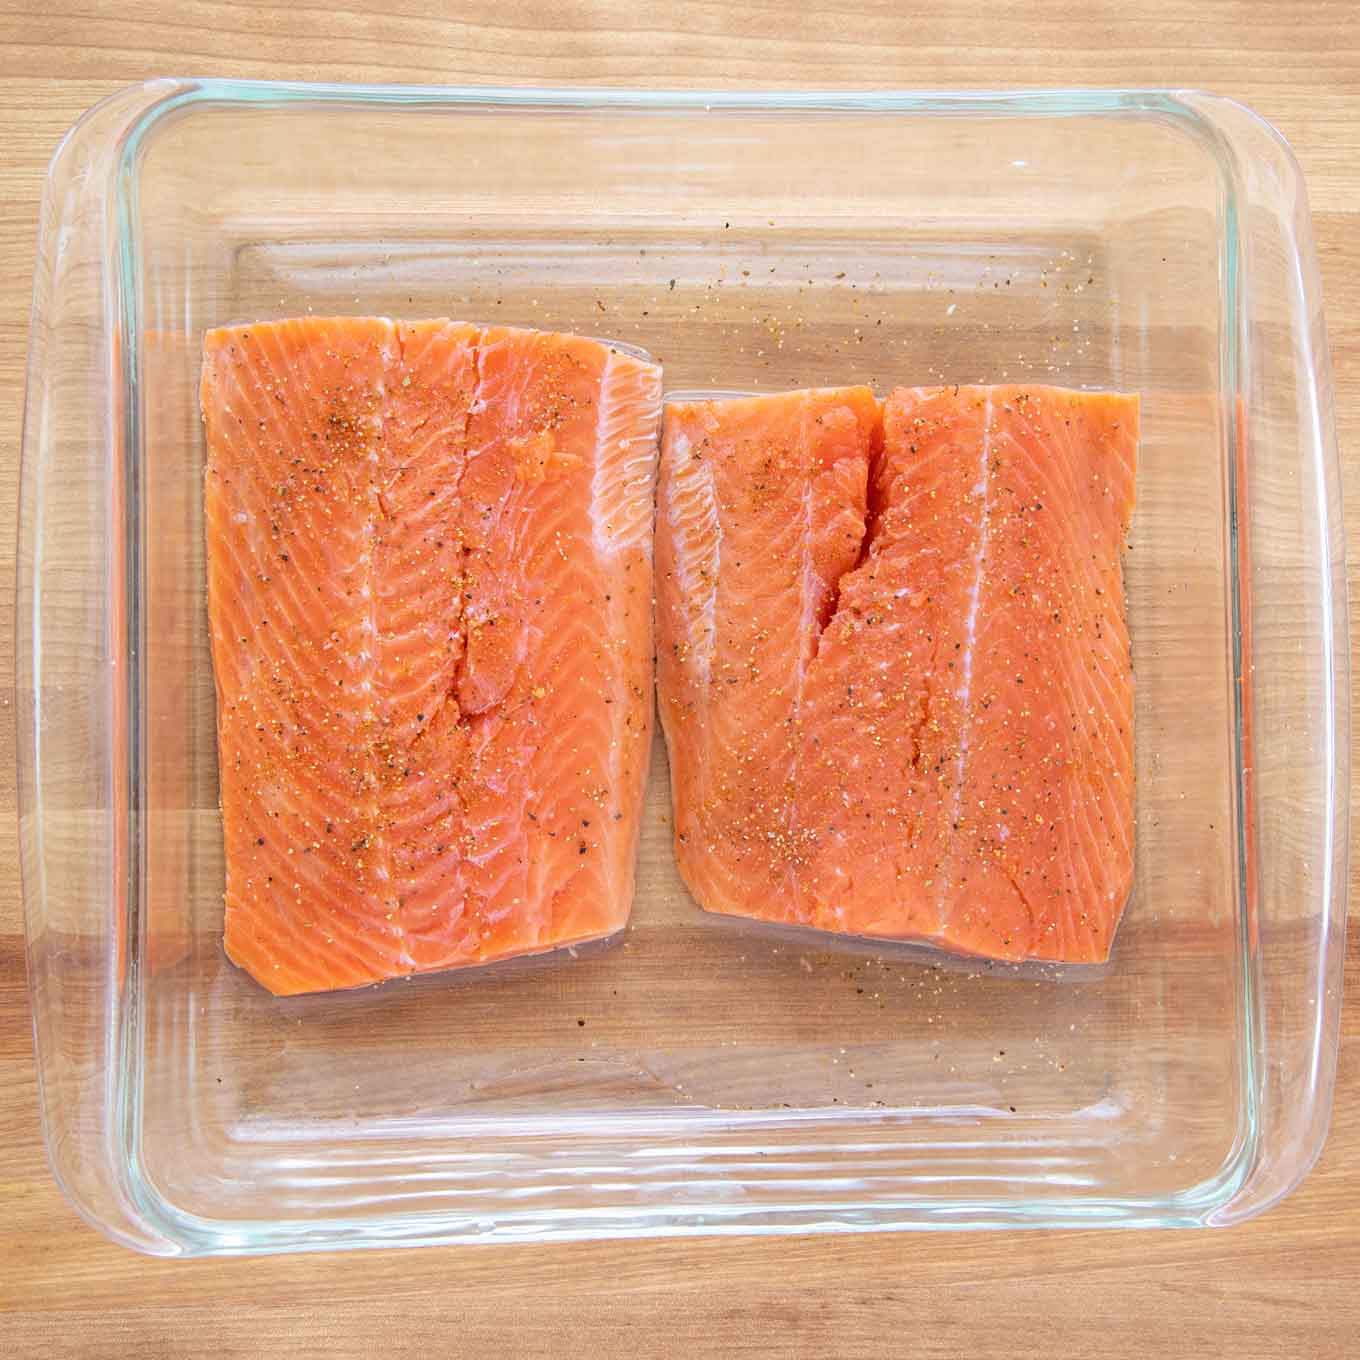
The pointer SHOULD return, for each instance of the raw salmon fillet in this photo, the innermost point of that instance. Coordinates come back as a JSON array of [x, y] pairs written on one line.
[[894, 670], [429, 592]]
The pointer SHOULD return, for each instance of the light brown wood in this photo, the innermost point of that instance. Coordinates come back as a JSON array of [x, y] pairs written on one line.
[[1283, 1285]]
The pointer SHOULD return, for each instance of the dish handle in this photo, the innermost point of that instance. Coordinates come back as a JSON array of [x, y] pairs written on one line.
[[1292, 663], [75, 667]]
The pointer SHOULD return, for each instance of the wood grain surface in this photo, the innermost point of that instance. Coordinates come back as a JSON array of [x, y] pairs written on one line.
[[1281, 1286]]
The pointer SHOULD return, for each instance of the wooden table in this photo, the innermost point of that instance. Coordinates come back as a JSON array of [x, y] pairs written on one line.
[[1282, 1286]]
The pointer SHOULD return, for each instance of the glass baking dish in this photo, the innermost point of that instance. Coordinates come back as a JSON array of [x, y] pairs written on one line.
[[693, 1077]]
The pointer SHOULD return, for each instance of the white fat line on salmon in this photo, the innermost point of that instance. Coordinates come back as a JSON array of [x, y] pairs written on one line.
[[692, 479], [982, 488], [393, 360], [809, 638], [809, 631], [621, 503], [621, 483]]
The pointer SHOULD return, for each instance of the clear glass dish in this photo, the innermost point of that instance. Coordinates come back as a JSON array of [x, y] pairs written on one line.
[[693, 1077]]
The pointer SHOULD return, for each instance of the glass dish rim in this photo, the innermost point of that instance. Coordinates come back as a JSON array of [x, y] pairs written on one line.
[[1195, 1204]]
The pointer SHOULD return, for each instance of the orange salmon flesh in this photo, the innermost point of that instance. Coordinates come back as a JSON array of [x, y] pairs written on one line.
[[893, 664], [429, 595]]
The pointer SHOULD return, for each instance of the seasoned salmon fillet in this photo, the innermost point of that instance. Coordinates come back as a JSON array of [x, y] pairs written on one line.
[[429, 579], [893, 663]]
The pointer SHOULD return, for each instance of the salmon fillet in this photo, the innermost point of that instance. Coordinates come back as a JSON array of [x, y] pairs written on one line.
[[429, 577], [893, 664]]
